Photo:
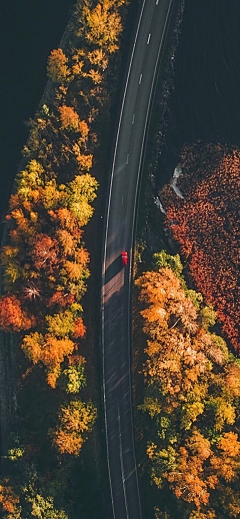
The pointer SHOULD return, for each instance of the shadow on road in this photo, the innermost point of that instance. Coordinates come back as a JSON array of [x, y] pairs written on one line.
[[114, 268]]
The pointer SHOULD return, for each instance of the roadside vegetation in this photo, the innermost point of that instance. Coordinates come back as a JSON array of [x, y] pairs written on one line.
[[206, 224], [186, 313], [190, 413], [45, 271]]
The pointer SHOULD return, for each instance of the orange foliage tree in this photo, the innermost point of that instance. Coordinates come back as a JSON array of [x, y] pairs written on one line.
[[8, 499], [44, 252], [79, 328], [192, 394], [57, 66], [69, 118], [45, 273], [12, 317], [45, 262]]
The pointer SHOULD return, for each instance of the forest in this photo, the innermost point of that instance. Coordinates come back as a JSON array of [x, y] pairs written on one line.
[[190, 412], [187, 419], [46, 266], [206, 224]]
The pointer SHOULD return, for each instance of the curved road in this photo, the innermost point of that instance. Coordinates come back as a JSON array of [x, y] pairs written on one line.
[[116, 279]]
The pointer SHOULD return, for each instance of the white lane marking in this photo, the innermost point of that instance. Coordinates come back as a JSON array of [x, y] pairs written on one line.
[[133, 119], [122, 466], [140, 79], [127, 158], [148, 40], [122, 199], [129, 307], [157, 2]]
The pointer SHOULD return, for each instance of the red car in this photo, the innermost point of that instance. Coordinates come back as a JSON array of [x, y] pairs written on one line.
[[124, 258]]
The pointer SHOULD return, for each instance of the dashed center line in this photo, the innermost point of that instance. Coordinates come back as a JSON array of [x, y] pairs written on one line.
[[127, 159], [133, 119], [122, 199], [149, 37], [140, 79]]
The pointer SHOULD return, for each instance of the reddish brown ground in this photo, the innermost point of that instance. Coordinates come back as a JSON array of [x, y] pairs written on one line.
[[206, 223]]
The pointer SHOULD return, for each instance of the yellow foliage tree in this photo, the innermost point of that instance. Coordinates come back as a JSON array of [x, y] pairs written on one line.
[[75, 421], [84, 129], [57, 68], [49, 350], [103, 25], [98, 57], [95, 76]]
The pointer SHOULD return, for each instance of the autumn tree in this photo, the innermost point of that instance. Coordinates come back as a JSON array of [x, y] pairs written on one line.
[[98, 57], [206, 224], [44, 252], [69, 118], [57, 68], [49, 350], [75, 421], [43, 507], [85, 161], [33, 504], [12, 267], [103, 25], [29, 180], [32, 254], [46, 266], [78, 62], [95, 76], [192, 392], [8, 499], [61, 299], [81, 191], [73, 378], [79, 329], [12, 317]]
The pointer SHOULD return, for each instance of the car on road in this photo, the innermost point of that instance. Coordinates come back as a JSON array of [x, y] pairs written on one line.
[[124, 258]]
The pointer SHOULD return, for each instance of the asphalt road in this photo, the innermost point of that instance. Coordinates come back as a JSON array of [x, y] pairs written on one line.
[[116, 280]]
